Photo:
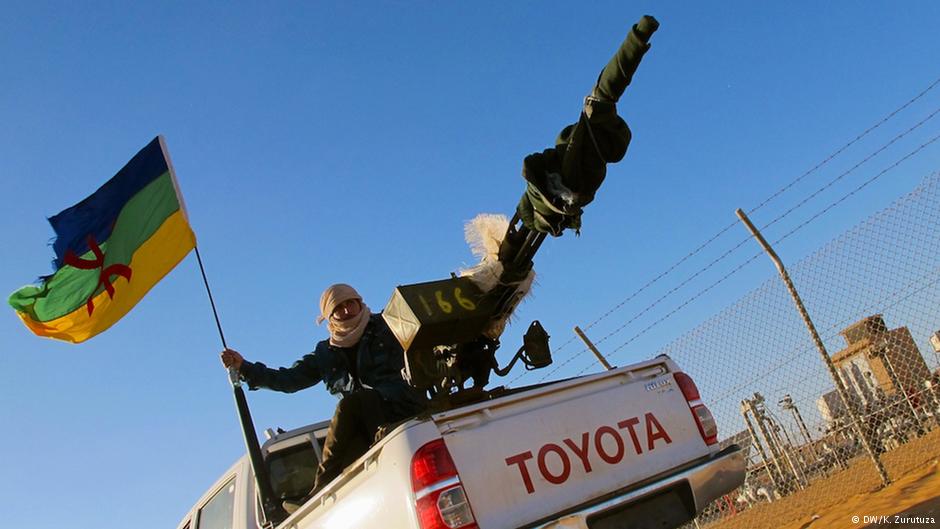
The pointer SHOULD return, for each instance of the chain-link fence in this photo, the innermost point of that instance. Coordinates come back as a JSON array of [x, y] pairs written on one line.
[[812, 441]]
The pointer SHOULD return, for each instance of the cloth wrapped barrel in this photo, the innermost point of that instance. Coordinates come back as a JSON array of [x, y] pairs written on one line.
[[563, 179]]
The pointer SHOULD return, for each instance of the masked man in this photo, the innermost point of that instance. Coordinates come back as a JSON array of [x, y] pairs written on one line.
[[360, 363]]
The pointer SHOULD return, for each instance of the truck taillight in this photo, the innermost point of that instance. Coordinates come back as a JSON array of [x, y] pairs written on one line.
[[703, 417], [440, 500]]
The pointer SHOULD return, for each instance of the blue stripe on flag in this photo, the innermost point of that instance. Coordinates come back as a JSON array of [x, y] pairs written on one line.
[[96, 214]]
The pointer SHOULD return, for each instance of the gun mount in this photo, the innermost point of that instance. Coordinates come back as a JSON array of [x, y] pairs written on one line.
[[450, 328]]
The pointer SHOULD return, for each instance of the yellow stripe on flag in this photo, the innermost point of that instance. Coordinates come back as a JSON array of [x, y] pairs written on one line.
[[152, 260]]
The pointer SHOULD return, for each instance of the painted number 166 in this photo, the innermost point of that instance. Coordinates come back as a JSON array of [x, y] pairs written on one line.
[[447, 306]]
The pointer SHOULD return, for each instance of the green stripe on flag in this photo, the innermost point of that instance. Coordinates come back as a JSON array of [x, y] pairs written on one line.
[[69, 288]]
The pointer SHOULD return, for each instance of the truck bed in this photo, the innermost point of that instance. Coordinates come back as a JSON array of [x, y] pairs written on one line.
[[528, 456], [581, 449]]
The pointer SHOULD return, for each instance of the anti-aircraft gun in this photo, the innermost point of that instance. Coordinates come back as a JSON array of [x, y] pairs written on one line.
[[450, 328]]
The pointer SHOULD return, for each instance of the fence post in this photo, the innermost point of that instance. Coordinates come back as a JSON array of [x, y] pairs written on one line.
[[590, 344], [840, 387]]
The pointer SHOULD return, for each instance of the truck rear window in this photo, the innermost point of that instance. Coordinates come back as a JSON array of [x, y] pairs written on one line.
[[217, 512], [293, 471]]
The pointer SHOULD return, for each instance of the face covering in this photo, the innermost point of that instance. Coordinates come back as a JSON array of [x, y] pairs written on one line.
[[343, 333]]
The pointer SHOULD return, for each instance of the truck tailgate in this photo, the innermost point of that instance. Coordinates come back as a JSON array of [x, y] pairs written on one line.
[[527, 456]]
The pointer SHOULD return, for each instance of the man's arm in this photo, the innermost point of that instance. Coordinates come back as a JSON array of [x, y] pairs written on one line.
[[301, 375]]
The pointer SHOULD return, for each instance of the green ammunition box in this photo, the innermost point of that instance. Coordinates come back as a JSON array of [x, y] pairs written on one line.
[[446, 312]]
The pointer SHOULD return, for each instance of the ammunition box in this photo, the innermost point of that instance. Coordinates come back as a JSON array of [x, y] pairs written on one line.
[[446, 312]]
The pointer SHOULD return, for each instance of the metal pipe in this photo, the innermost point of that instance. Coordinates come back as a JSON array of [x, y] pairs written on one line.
[[745, 411], [270, 508], [600, 357], [774, 447], [804, 314], [804, 430], [786, 450]]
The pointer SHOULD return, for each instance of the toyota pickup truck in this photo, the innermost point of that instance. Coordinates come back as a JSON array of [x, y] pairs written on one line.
[[633, 446]]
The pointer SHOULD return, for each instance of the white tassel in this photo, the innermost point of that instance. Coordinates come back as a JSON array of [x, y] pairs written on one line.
[[484, 233]]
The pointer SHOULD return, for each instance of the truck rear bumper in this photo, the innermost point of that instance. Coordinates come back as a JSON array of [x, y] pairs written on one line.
[[703, 483]]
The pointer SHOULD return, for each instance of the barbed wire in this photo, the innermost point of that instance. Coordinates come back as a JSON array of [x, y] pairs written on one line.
[[781, 217], [849, 144], [779, 240], [779, 192], [828, 332], [832, 182], [863, 185]]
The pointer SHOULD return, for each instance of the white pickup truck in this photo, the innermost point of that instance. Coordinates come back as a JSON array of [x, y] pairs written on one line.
[[629, 447]]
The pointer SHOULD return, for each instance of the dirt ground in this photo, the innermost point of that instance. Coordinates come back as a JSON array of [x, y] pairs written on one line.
[[833, 501], [928, 511]]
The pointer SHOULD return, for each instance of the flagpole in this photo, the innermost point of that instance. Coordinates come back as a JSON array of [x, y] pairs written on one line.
[[269, 507], [205, 281]]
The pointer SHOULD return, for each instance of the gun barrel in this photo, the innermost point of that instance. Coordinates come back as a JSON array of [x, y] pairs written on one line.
[[618, 73]]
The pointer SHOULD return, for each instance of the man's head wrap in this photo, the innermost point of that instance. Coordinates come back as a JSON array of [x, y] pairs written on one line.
[[343, 333]]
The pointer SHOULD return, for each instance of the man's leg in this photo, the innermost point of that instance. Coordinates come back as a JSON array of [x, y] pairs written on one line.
[[352, 430]]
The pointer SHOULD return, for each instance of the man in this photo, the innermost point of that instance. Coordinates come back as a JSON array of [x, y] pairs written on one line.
[[360, 363]]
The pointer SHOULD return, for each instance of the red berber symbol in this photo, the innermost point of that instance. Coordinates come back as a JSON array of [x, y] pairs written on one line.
[[98, 262]]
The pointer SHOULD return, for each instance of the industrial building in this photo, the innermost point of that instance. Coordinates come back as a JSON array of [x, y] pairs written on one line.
[[878, 362]]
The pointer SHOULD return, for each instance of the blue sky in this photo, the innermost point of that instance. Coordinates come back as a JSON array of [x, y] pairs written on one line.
[[317, 143]]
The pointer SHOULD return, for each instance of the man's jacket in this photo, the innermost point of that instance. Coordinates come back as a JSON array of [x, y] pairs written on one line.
[[379, 363]]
